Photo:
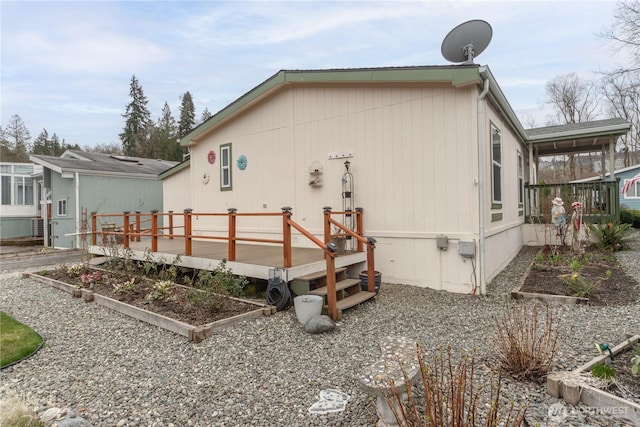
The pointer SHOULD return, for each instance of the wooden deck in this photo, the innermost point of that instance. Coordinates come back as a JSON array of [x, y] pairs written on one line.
[[252, 260]]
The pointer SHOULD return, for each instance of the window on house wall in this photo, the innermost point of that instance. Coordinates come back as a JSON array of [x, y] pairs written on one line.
[[16, 186], [62, 207], [634, 190], [520, 180], [496, 162], [225, 167]]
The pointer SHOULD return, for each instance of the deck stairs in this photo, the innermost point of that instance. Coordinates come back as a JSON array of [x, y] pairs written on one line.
[[348, 291]]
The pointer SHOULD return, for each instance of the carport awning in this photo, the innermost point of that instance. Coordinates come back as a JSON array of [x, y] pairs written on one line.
[[577, 137]]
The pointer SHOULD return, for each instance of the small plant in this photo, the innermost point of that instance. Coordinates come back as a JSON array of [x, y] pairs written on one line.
[[149, 266], [527, 341], [612, 235], [75, 269], [451, 398], [575, 265], [607, 274], [635, 364], [604, 372], [579, 286], [539, 256], [125, 287], [161, 290], [90, 279]]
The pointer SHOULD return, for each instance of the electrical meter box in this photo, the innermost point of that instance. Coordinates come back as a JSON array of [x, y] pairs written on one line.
[[467, 248], [442, 242]]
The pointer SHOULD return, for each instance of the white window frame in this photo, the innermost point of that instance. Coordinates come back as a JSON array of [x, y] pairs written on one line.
[[635, 187], [62, 207], [496, 179], [225, 168], [520, 180]]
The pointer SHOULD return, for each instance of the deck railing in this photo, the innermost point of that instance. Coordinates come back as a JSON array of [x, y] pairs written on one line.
[[129, 227], [599, 199]]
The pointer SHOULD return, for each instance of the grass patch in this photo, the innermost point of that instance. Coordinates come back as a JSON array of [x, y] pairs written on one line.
[[14, 413], [16, 340]]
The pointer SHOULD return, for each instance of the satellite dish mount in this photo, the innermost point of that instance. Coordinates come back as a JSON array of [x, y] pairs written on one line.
[[466, 41]]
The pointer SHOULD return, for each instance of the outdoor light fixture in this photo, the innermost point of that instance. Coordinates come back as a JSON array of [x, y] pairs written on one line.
[[604, 347], [371, 240], [347, 163]]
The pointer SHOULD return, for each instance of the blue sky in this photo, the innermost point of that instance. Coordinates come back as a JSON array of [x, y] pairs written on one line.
[[66, 66]]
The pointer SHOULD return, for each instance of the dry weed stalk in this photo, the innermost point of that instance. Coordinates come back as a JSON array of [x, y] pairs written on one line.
[[451, 399], [527, 348]]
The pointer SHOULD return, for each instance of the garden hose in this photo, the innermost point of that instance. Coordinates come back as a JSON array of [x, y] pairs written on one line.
[[278, 294]]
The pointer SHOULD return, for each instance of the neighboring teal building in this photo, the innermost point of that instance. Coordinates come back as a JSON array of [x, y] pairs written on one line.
[[631, 200], [78, 182]]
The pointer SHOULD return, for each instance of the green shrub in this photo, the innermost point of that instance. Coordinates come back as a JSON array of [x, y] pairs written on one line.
[[630, 216], [611, 235], [580, 287]]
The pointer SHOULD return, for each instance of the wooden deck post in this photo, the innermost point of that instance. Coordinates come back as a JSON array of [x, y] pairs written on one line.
[[187, 231], [231, 252], [327, 223], [371, 269], [286, 236], [360, 227], [171, 225], [137, 235], [125, 229], [332, 297], [154, 230], [94, 225]]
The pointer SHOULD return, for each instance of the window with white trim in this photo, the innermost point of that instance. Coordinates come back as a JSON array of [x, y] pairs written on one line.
[[520, 180], [16, 184], [225, 167], [496, 165], [634, 190], [62, 207]]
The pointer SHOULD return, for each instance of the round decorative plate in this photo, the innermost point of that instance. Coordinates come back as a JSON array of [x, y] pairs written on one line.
[[211, 157], [242, 162], [205, 178]]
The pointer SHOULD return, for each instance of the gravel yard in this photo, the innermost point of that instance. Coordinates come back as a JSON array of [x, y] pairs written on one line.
[[115, 371]]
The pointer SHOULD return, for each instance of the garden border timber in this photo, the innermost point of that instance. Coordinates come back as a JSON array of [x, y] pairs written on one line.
[[568, 386], [194, 333], [545, 298]]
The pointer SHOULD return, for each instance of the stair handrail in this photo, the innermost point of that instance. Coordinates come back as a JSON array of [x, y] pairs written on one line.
[[329, 257], [370, 242]]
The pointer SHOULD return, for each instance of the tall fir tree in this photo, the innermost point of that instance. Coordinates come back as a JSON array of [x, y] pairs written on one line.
[[166, 136], [187, 115], [15, 141], [135, 134], [47, 146]]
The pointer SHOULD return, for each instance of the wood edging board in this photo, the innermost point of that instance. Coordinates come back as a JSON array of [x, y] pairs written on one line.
[[194, 333], [569, 387]]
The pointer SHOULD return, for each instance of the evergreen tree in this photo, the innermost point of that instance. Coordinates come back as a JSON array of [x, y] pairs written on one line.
[[15, 141], [187, 115], [47, 146], [138, 119], [206, 115], [166, 136]]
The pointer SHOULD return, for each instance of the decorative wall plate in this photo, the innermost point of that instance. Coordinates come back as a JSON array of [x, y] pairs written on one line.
[[211, 157], [205, 178], [242, 162]]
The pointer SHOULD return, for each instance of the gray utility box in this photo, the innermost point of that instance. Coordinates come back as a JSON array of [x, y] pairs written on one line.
[[467, 248]]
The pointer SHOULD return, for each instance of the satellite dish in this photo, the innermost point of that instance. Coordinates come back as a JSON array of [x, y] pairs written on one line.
[[466, 41]]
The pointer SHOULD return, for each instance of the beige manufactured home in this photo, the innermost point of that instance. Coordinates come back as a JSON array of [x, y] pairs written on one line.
[[435, 157]]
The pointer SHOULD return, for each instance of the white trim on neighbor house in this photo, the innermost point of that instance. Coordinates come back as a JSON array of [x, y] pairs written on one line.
[[634, 189]]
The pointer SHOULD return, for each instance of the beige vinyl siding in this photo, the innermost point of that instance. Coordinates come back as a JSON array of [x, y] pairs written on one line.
[[176, 191], [414, 163]]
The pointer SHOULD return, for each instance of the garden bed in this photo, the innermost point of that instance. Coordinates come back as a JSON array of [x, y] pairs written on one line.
[[619, 397], [593, 278], [185, 310]]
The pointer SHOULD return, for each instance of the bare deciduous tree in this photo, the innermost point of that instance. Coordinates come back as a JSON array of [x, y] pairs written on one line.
[[574, 100], [625, 34]]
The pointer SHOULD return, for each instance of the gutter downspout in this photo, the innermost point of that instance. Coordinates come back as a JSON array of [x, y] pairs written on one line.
[[77, 182], [481, 173]]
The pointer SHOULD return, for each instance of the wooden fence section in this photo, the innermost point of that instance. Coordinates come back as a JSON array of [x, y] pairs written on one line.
[[131, 227], [600, 200]]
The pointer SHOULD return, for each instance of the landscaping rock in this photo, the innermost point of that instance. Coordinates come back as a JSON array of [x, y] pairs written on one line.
[[319, 324], [70, 421]]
